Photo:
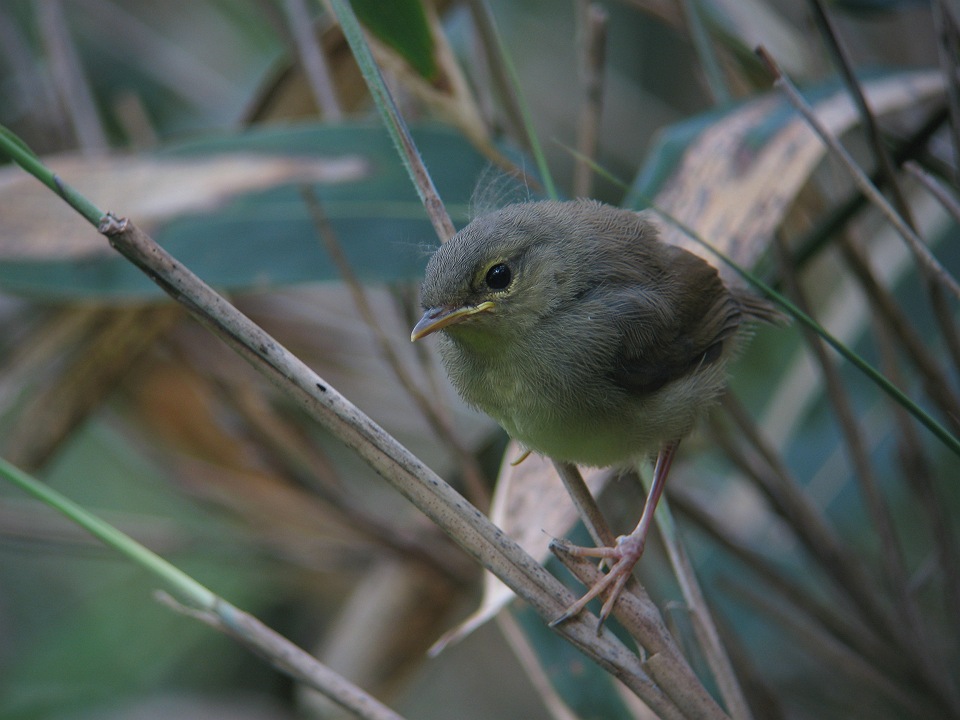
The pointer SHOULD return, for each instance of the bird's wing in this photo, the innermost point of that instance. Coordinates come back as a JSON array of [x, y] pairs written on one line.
[[668, 334]]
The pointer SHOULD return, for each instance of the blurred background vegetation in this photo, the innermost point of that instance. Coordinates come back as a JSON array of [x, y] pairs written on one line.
[[205, 120]]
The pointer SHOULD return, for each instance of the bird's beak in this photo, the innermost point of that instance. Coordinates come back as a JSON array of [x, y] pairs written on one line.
[[438, 318]]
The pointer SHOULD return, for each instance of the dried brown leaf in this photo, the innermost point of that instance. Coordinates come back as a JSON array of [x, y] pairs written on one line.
[[735, 185], [532, 506], [150, 189]]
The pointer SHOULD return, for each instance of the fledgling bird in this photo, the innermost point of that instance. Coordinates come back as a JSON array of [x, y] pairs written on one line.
[[586, 337]]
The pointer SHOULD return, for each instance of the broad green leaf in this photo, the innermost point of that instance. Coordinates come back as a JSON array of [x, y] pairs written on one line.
[[403, 26]]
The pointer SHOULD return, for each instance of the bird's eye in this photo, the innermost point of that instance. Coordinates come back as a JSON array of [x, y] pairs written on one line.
[[498, 277]]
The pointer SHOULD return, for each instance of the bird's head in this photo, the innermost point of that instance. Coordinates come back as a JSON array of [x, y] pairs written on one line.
[[498, 276]]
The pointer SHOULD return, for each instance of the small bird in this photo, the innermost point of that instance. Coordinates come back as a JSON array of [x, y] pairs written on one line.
[[587, 338]]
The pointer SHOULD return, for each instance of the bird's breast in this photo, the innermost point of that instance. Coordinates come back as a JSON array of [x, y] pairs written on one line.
[[553, 403]]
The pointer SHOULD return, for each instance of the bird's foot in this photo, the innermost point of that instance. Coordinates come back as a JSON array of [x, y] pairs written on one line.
[[621, 558]]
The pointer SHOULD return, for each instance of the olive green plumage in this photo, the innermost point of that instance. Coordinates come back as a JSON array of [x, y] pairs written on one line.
[[582, 333]]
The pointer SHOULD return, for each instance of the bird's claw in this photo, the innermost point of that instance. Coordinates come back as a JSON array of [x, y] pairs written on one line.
[[622, 557]]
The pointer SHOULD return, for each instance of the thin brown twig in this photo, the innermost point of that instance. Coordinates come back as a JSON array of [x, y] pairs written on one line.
[[845, 626], [393, 121], [916, 469], [696, 29], [534, 665], [832, 653], [935, 188], [312, 59], [936, 384], [473, 474], [891, 552], [641, 618], [299, 461], [867, 118], [772, 477], [668, 12], [942, 311], [163, 62], [761, 695], [592, 52], [846, 571], [948, 44], [701, 617], [703, 624], [928, 264], [286, 656], [585, 504], [943, 314], [25, 88], [911, 146], [499, 76]]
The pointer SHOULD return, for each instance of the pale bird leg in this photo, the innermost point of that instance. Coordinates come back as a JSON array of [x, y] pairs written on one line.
[[629, 548]]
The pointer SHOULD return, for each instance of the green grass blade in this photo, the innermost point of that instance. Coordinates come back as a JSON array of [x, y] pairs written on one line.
[[14, 148], [187, 590], [392, 119]]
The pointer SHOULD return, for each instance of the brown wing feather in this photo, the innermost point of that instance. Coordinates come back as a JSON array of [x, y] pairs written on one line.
[[685, 330]]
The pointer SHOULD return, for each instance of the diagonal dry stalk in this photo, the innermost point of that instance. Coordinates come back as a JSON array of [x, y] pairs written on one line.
[[885, 165], [440, 502], [312, 59], [891, 554], [640, 617], [929, 265], [935, 380], [285, 656], [472, 472], [835, 617], [706, 632]]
